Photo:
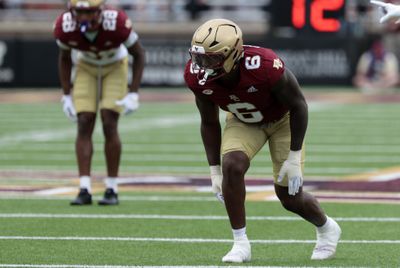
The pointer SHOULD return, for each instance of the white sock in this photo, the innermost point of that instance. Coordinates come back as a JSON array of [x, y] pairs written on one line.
[[324, 227], [111, 183], [239, 234], [84, 183]]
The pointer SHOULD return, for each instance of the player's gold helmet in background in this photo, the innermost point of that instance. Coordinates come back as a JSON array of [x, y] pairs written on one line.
[[87, 13], [86, 4], [217, 45]]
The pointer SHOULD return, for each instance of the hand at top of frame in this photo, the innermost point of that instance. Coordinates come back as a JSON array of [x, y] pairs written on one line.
[[391, 11]]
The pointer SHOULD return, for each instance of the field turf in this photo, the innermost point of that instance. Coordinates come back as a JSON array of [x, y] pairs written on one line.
[[170, 223]]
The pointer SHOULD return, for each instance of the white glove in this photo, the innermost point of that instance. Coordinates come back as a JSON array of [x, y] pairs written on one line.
[[391, 11], [292, 168], [130, 102], [68, 107], [216, 182]]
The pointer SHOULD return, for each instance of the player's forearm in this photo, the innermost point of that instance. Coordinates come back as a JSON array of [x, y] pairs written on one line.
[[137, 71], [211, 136], [64, 67], [298, 125]]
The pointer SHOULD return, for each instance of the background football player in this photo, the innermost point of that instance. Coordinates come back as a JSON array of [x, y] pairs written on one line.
[[102, 37], [264, 104]]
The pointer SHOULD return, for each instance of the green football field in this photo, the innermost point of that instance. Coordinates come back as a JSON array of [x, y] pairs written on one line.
[[352, 166]]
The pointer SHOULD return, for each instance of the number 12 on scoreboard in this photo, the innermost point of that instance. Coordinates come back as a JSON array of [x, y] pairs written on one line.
[[318, 21]]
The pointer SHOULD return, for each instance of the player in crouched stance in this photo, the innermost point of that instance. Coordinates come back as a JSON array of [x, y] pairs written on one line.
[[102, 37], [264, 104]]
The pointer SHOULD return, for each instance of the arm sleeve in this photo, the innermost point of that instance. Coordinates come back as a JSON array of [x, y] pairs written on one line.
[[59, 34], [132, 39], [273, 66], [125, 33], [62, 45]]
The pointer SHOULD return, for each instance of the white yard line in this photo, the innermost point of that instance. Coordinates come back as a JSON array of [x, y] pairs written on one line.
[[52, 134], [183, 217], [122, 198], [143, 266], [186, 240], [183, 158], [166, 145], [264, 171]]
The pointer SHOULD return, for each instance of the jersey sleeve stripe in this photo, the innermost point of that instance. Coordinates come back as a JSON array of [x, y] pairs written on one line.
[[132, 39]]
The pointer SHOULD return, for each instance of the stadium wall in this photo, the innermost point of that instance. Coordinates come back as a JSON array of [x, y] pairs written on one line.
[[315, 61]]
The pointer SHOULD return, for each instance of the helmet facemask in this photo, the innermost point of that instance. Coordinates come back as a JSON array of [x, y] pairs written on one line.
[[207, 66]]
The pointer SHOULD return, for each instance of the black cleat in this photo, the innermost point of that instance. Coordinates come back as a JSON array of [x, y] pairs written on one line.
[[110, 198], [83, 198]]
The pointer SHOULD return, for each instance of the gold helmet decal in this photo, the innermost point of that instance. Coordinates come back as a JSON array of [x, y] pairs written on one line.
[[86, 4], [217, 45]]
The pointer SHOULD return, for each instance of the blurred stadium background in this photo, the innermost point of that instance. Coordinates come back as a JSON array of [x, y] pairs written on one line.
[[320, 41], [353, 146]]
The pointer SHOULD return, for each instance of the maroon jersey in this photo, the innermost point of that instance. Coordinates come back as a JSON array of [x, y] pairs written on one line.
[[251, 100], [115, 29]]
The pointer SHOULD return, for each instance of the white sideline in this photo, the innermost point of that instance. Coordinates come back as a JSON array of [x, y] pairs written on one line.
[[184, 217]]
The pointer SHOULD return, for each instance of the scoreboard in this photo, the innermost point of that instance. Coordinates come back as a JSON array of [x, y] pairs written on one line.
[[318, 16]]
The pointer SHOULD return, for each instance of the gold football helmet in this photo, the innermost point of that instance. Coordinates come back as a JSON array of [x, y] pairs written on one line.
[[87, 13], [217, 46]]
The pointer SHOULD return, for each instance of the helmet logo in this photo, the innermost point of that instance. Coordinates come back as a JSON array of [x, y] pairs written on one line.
[[82, 4], [198, 49]]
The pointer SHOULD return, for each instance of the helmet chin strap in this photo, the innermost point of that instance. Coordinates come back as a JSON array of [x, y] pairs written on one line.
[[207, 72], [203, 80]]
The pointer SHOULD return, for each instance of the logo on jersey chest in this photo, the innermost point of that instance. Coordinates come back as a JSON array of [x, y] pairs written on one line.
[[234, 97], [252, 89], [73, 43], [207, 91]]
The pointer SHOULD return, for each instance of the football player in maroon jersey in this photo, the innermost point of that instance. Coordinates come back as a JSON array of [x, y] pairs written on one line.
[[264, 103], [99, 38]]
